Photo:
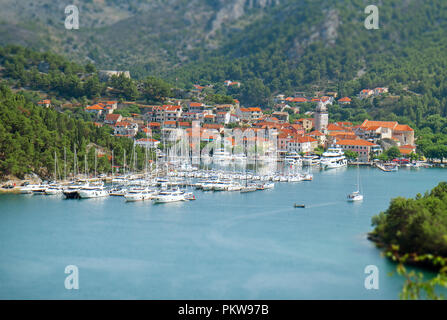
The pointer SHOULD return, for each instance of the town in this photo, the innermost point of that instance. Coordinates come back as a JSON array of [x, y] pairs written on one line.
[[294, 133]]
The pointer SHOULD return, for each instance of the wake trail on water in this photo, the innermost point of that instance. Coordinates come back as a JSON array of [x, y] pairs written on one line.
[[323, 204], [227, 223]]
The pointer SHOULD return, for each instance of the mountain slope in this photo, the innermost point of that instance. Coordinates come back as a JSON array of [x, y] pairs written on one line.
[[271, 46]]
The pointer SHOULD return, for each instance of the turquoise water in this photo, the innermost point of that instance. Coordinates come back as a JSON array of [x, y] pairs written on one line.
[[222, 246]]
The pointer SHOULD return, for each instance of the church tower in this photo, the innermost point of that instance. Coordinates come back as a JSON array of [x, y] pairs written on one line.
[[321, 117]]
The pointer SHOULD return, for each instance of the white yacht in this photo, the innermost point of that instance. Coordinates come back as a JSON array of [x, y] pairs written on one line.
[[307, 177], [40, 189], [295, 178], [139, 194], [92, 192], [311, 160], [72, 191], [54, 190], [118, 192], [29, 188], [269, 185], [169, 196], [333, 158], [221, 155], [249, 189], [239, 157], [190, 196], [208, 186], [221, 185], [235, 186], [293, 158], [355, 196]]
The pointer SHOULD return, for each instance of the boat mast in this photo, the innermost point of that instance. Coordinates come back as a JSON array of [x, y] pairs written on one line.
[[85, 165], [112, 167], [55, 174], [74, 163], [96, 161], [65, 164], [124, 165]]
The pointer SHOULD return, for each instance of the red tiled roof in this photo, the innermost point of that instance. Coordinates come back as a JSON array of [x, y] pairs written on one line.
[[384, 124], [94, 107], [147, 140], [298, 99], [357, 142], [403, 127], [251, 109], [113, 117], [344, 124], [171, 108], [304, 139], [122, 124], [212, 126], [316, 133], [334, 127], [405, 151]]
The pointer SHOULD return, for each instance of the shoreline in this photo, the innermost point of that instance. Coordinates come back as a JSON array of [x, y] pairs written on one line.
[[395, 256], [18, 182]]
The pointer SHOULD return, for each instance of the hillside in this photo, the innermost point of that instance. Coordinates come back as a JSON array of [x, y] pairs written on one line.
[[151, 35], [271, 46], [275, 45], [31, 135]]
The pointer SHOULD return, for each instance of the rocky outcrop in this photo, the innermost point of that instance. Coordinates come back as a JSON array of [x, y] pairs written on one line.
[[232, 10]]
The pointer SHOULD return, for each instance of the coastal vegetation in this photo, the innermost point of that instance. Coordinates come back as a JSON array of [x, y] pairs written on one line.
[[58, 76], [414, 231], [31, 135]]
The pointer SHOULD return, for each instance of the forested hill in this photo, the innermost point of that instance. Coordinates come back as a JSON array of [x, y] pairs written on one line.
[[324, 45], [31, 135], [284, 43], [270, 46]]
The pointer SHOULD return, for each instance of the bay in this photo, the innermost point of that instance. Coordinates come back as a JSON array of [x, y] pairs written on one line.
[[224, 245]]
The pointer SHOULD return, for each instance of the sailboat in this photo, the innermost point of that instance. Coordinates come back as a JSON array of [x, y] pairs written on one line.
[[356, 195], [54, 188], [248, 188]]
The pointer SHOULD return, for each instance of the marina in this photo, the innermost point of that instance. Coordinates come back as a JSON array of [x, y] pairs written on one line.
[[259, 245]]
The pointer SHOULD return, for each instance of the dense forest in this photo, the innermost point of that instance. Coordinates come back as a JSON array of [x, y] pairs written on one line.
[[414, 232], [55, 74], [417, 225], [31, 135]]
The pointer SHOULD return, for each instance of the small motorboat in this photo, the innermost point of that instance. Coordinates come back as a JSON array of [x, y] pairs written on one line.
[[299, 205], [190, 196]]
